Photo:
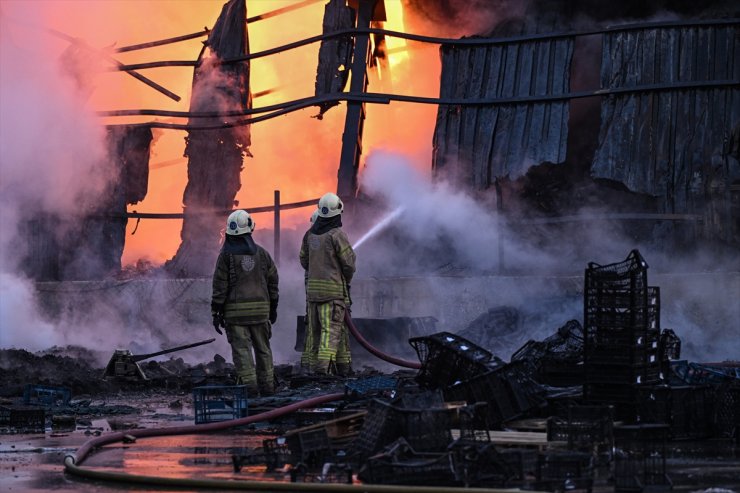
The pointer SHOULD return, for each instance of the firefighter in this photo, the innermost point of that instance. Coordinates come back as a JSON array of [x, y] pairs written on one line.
[[329, 260], [245, 300]]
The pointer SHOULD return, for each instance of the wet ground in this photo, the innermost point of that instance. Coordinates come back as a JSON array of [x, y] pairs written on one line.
[[34, 462]]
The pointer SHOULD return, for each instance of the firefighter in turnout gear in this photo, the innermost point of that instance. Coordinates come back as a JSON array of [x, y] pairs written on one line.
[[329, 260], [245, 300]]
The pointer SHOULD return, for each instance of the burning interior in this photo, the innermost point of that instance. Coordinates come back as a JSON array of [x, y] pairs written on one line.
[[485, 152]]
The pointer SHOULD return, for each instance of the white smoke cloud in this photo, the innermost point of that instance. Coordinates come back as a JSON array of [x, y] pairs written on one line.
[[437, 213], [51, 148]]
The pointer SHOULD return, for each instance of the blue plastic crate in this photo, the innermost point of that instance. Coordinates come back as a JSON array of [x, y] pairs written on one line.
[[371, 385], [214, 403], [47, 396]]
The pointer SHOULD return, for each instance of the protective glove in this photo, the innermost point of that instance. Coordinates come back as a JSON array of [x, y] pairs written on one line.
[[217, 321], [273, 311], [349, 296], [217, 314]]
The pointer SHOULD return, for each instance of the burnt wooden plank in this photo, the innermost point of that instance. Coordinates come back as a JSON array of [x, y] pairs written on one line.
[[335, 54]]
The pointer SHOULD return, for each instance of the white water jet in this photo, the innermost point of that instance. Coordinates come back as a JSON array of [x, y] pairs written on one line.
[[379, 226]]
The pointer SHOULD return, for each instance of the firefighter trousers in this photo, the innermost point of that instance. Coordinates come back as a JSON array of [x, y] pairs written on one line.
[[327, 337], [256, 372]]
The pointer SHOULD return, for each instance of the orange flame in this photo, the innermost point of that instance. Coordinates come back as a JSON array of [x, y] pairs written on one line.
[[295, 153]]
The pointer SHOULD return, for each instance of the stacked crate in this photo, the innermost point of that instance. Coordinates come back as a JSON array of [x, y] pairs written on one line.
[[622, 330]]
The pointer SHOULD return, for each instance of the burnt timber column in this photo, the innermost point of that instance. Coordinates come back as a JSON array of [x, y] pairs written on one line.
[[354, 122], [216, 155]]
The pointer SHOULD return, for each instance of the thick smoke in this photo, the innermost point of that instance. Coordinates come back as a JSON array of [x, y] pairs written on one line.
[[444, 233], [51, 150]]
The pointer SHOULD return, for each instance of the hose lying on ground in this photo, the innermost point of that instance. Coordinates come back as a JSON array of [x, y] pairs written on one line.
[[375, 351], [72, 462]]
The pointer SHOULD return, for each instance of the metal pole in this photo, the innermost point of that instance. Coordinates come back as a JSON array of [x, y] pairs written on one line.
[[276, 245], [349, 161], [500, 222]]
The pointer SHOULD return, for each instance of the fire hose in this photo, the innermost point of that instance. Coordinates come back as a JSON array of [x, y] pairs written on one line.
[[73, 462], [375, 351]]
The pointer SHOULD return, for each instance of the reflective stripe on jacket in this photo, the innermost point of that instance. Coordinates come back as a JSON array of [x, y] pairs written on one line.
[[245, 285], [330, 264]]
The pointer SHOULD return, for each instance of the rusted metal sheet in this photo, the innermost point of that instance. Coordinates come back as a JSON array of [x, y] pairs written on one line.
[[676, 145], [334, 54], [215, 157], [476, 144]]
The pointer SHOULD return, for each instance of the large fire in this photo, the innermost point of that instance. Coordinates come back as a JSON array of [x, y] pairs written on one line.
[[295, 154]]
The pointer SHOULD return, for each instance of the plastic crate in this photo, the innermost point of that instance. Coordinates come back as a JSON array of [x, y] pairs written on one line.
[[564, 471], [47, 396], [370, 385], [23, 419], [378, 429], [727, 411], [482, 465], [622, 374], [669, 346], [685, 409], [310, 447], [404, 466], [447, 358], [276, 452], [219, 403], [560, 372], [330, 474], [634, 266], [584, 428], [508, 390], [640, 457]]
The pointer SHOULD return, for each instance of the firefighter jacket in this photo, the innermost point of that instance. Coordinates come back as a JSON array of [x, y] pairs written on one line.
[[246, 285], [329, 261]]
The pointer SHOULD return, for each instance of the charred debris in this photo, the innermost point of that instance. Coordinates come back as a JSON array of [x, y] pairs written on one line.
[[599, 403]]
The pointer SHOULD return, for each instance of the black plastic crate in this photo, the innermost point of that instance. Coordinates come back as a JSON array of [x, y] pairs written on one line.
[[334, 474], [685, 409], [633, 475], [560, 372], [483, 465], [425, 429], [670, 345], [642, 355], [276, 453], [505, 398], [447, 358], [370, 385], [633, 267], [565, 471], [622, 374], [585, 427], [727, 411], [640, 457], [45, 395], [378, 429], [416, 470], [310, 447], [213, 403], [23, 419]]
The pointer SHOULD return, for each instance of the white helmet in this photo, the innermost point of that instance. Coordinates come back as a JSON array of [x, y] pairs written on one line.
[[239, 222], [314, 216], [330, 205]]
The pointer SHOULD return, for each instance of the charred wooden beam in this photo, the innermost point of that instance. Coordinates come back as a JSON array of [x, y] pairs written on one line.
[[334, 54], [215, 156]]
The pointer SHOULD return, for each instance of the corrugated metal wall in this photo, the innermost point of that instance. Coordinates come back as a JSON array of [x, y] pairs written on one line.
[[672, 144], [485, 142]]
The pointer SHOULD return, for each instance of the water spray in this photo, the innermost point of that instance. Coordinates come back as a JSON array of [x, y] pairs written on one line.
[[389, 218]]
